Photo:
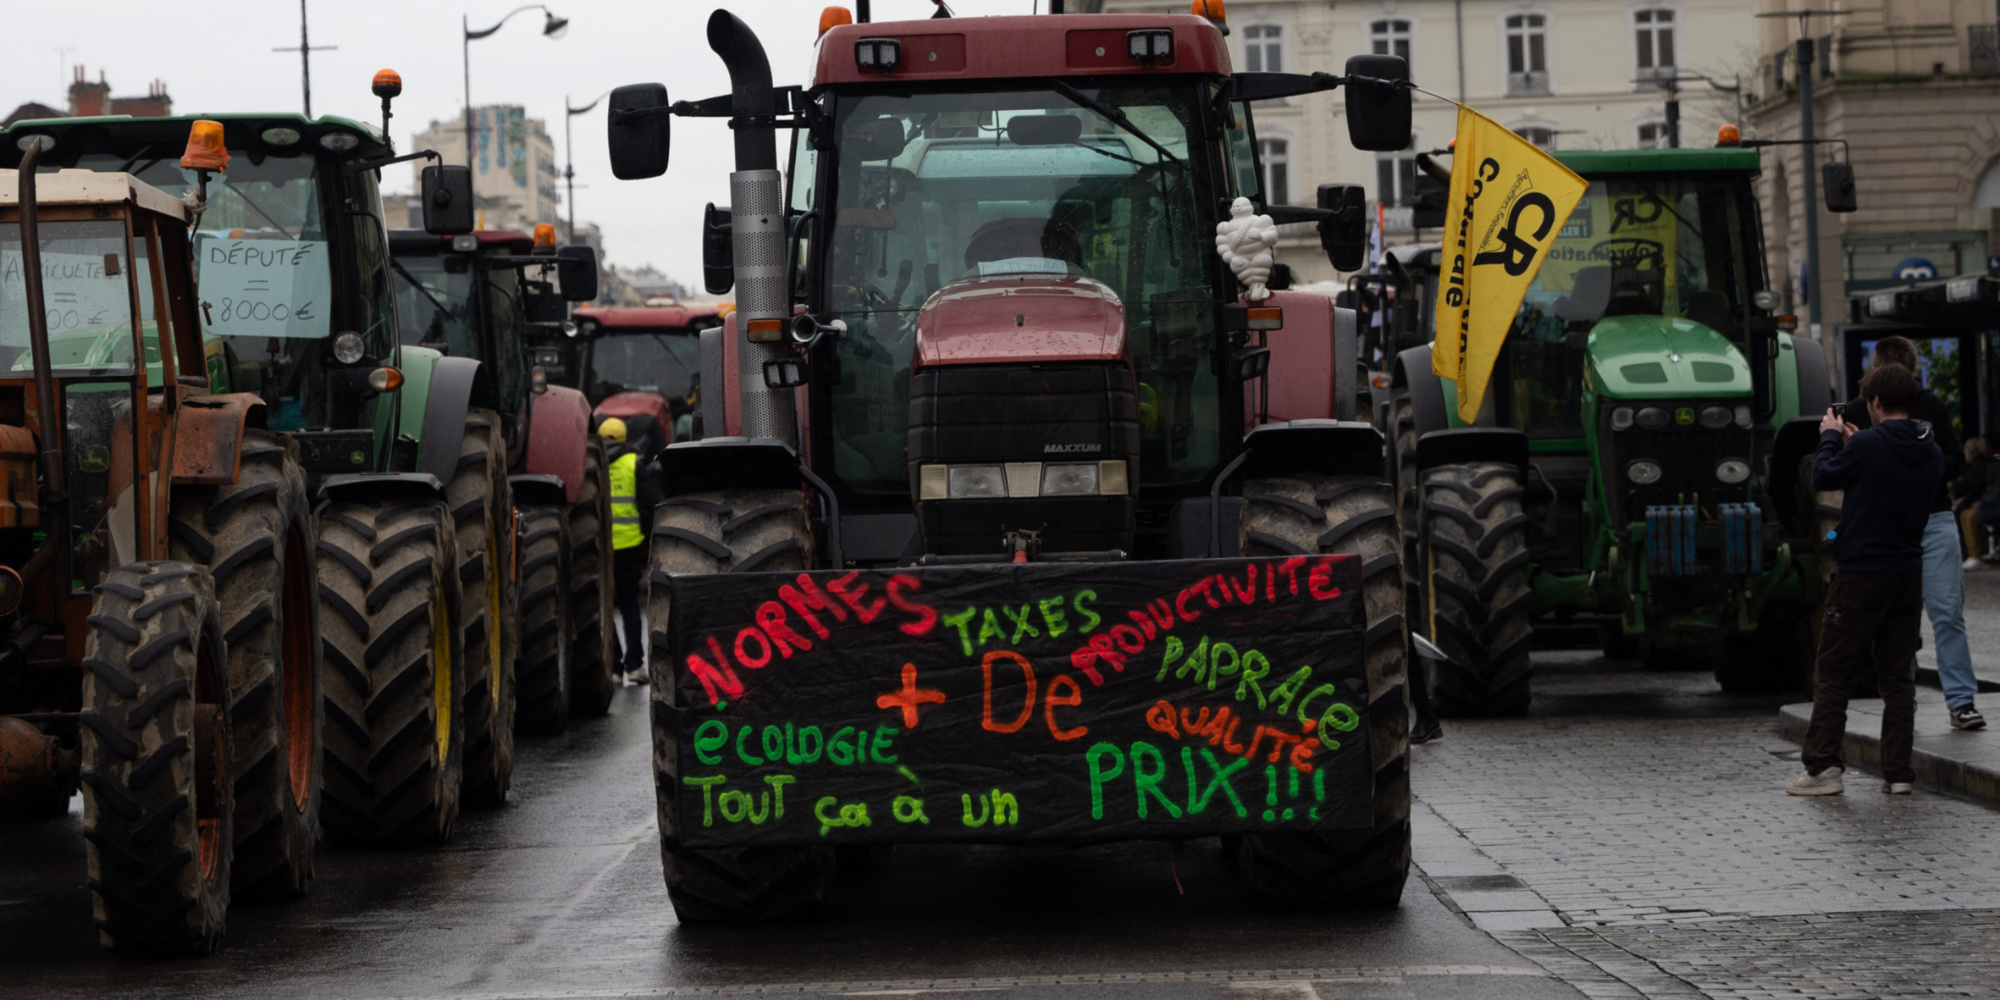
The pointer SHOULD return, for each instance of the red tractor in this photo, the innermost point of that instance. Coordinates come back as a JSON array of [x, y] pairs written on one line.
[[472, 296], [986, 341], [645, 362]]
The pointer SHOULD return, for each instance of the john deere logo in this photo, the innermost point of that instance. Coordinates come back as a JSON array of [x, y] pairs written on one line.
[[1684, 416], [93, 458]]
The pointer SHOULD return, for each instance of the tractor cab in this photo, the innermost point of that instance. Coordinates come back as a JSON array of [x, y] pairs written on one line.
[[640, 361], [1003, 236]]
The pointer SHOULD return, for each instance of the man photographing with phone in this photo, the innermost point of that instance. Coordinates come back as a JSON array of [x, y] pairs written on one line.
[[1873, 610]]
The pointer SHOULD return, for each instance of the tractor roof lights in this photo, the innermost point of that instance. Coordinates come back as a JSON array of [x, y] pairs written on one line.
[[880, 54]]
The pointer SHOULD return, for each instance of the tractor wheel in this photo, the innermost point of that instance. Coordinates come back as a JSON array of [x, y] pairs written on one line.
[[157, 806], [1348, 515], [731, 531], [395, 729], [482, 508], [1409, 505], [1776, 658], [593, 631], [1476, 554], [255, 538], [543, 697]]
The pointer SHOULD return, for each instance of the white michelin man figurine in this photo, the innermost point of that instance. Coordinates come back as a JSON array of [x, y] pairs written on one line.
[[1245, 241]]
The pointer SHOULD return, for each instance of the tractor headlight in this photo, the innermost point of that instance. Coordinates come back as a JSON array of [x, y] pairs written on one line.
[[1621, 419], [1654, 418], [1715, 418], [1644, 472], [1765, 299], [1069, 479], [977, 481], [1732, 471], [348, 348]]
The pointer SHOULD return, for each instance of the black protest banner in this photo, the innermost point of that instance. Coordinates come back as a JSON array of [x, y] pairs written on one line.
[[1038, 701]]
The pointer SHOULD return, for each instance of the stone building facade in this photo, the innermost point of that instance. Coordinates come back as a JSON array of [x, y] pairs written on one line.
[[1913, 89], [1568, 74]]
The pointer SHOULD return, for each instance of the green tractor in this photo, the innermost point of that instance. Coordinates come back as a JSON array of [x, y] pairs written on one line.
[[1640, 464], [403, 448]]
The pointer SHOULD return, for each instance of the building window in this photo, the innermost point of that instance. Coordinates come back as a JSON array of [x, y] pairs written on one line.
[[1264, 48], [1391, 38], [1395, 179], [1527, 54], [1652, 135], [1276, 157], [1655, 33], [1543, 136]]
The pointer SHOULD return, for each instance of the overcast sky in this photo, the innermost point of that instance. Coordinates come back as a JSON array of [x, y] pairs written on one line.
[[215, 55]]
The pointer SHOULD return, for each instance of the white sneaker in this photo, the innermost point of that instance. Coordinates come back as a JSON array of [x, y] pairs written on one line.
[[1896, 788], [1973, 564], [1826, 782]]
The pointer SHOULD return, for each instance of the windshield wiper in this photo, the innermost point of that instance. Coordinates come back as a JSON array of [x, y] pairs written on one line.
[[1116, 117], [419, 286]]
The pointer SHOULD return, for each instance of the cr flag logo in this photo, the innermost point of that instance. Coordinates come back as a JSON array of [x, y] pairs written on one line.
[[1508, 200]]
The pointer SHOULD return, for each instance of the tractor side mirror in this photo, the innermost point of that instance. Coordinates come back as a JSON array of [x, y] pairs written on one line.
[[576, 271], [1378, 115], [718, 250], [1344, 235], [1838, 183], [447, 196], [640, 131]]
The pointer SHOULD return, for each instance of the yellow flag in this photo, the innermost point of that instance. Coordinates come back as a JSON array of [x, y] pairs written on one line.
[[1508, 202]]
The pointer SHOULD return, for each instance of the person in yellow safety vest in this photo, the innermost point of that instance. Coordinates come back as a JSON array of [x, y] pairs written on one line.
[[635, 487]]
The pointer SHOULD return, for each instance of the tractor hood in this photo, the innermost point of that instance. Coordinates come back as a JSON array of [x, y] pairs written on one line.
[[1013, 318], [1664, 357]]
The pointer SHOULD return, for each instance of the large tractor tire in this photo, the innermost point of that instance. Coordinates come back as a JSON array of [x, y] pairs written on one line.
[[593, 630], [157, 811], [1345, 515], [1409, 499], [482, 509], [395, 728], [731, 531], [543, 696], [255, 538], [1475, 547]]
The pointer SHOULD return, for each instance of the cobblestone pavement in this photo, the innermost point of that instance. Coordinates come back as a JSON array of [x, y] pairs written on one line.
[[1648, 810]]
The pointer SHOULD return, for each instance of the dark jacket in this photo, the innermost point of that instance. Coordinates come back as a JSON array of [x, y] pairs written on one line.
[[1976, 480], [1931, 410], [1890, 473]]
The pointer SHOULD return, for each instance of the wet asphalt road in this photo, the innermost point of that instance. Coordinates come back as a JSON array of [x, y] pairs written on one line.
[[559, 894]]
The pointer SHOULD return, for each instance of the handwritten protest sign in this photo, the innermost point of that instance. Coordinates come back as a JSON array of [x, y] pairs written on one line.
[[265, 288], [80, 290], [1040, 701]]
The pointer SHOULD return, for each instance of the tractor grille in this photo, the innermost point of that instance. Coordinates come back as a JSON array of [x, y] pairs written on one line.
[[1019, 414], [1687, 459]]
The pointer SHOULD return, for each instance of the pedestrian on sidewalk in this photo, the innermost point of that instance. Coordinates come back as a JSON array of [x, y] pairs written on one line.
[[1944, 567], [635, 486], [1973, 484], [1891, 473]]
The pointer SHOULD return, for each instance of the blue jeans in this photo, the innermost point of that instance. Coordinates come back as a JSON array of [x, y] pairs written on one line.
[[1944, 599]]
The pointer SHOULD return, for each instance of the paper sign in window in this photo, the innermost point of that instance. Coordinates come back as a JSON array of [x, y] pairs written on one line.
[[265, 288]]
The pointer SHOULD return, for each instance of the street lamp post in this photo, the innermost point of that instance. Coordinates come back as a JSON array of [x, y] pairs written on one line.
[[552, 27], [569, 150]]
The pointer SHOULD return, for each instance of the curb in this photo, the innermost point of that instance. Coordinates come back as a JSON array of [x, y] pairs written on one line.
[[1861, 748]]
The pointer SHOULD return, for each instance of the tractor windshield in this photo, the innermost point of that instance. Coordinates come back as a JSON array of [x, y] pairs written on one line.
[[1671, 246], [934, 187], [439, 302], [268, 270], [666, 362]]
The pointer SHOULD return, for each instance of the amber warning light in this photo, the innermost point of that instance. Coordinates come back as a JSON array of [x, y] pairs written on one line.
[[1728, 135], [834, 17], [205, 150], [545, 238], [388, 84]]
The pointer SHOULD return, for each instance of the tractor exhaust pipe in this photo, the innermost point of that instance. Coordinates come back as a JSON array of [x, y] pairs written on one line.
[[757, 228]]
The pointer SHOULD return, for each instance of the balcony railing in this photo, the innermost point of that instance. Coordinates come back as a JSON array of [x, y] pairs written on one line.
[[1982, 45], [1528, 84]]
